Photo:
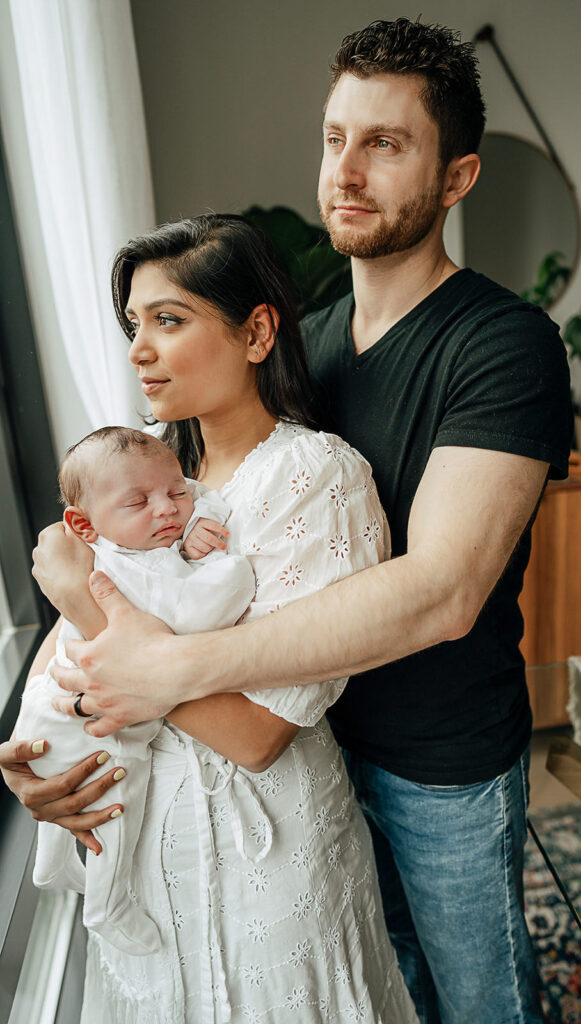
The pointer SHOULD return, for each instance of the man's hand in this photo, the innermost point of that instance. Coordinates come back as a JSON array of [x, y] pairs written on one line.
[[120, 671], [205, 536], [62, 563], [58, 799]]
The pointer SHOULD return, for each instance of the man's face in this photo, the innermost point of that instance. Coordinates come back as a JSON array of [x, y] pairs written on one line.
[[381, 181]]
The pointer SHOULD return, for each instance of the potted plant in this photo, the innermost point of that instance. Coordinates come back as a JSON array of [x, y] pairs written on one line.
[[319, 275], [552, 276], [572, 339]]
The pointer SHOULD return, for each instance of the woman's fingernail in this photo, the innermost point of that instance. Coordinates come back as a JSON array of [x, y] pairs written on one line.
[[94, 852], [119, 774], [103, 756], [116, 813], [38, 747]]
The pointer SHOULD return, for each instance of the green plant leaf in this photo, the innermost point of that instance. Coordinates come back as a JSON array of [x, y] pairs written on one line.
[[552, 275], [319, 275], [572, 336]]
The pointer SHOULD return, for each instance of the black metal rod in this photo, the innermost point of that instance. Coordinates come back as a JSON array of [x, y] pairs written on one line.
[[556, 878], [487, 35]]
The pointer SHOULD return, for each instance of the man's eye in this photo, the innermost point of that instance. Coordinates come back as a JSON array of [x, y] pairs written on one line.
[[384, 144], [333, 140]]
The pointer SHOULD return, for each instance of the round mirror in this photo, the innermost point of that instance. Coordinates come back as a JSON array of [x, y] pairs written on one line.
[[521, 224]]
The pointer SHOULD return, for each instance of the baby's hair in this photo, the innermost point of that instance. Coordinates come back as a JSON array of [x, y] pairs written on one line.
[[75, 470]]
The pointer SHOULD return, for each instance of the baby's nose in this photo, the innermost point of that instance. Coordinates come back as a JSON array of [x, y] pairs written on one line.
[[165, 507]]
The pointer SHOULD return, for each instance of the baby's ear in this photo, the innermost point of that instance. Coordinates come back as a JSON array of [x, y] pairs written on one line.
[[78, 523]]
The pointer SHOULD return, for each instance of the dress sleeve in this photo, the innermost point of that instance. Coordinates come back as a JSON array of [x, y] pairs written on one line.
[[315, 519]]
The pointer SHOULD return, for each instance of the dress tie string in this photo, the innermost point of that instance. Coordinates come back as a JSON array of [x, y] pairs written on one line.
[[214, 991]]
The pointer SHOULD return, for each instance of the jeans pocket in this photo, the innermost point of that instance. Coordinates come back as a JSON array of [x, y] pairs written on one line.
[[449, 789]]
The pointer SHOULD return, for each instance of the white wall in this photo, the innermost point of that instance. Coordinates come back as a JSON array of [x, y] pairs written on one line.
[[233, 91]]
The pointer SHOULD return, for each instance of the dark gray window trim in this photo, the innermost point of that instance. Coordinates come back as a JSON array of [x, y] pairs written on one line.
[[28, 503], [27, 441]]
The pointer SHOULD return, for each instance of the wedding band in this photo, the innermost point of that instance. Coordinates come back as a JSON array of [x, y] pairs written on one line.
[[78, 709]]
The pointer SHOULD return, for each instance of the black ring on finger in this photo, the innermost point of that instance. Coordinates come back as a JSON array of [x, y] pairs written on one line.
[[78, 709]]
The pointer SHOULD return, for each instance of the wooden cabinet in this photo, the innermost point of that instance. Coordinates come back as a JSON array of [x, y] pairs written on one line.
[[551, 598]]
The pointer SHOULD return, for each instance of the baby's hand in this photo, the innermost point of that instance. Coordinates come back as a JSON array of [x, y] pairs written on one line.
[[204, 537]]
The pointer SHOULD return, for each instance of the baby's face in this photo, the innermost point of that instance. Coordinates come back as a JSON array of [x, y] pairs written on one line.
[[139, 501]]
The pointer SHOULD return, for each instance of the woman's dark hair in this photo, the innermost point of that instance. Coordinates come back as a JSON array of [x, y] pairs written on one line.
[[230, 263], [451, 92]]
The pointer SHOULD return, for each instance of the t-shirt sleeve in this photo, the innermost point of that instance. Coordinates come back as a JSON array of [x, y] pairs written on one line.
[[317, 519], [509, 390]]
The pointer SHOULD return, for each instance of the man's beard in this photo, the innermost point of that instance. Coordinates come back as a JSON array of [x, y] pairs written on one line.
[[412, 222]]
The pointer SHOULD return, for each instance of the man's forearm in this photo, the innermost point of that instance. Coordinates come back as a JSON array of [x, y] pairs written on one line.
[[368, 619], [468, 514]]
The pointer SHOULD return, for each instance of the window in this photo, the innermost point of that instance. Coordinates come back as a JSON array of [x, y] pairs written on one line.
[[28, 503]]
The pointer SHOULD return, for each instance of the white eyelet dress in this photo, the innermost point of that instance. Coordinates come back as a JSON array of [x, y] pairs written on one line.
[[263, 885]]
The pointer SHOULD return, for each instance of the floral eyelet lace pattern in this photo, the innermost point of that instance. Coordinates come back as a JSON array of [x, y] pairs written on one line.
[[263, 885]]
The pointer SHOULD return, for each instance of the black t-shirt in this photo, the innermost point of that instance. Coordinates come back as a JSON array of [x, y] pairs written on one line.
[[472, 365]]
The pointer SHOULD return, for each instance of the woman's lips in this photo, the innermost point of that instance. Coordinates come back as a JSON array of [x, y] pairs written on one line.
[[148, 385]]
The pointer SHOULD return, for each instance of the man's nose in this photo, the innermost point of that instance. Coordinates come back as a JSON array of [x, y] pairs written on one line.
[[350, 170]]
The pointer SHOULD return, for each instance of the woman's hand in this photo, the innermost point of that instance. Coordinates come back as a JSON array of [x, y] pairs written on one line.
[[124, 674], [58, 799], [62, 564]]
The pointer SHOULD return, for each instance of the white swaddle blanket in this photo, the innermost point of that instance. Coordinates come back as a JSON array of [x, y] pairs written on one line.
[[190, 596]]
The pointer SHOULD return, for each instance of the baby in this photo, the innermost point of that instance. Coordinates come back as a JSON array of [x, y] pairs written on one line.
[[126, 497]]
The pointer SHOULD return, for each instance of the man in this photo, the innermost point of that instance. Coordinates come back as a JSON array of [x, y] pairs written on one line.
[[457, 393]]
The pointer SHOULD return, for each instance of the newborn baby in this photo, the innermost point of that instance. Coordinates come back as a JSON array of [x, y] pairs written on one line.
[[126, 497]]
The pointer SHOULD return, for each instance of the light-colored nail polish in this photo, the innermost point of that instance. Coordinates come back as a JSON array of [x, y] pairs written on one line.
[[119, 774], [116, 813], [38, 747], [103, 756], [94, 852]]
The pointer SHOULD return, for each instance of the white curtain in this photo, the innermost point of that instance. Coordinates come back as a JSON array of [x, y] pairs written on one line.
[[84, 128]]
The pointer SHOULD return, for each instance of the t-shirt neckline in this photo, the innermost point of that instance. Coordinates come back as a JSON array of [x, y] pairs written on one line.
[[401, 324]]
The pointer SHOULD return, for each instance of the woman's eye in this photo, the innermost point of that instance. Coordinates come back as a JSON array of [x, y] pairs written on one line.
[[133, 328], [166, 320]]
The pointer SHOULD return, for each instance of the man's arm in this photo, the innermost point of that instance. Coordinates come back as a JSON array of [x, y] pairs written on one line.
[[469, 512], [470, 509]]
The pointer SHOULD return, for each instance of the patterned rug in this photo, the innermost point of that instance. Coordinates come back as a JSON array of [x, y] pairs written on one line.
[[556, 937]]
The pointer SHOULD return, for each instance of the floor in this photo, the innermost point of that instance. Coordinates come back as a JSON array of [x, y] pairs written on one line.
[[546, 790]]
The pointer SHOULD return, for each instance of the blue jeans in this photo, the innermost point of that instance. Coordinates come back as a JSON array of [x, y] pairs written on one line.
[[450, 862]]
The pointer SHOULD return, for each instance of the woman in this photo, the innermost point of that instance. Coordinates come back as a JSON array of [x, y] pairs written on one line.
[[253, 859]]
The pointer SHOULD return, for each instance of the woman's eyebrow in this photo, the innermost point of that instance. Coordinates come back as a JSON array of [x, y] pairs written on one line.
[[157, 303]]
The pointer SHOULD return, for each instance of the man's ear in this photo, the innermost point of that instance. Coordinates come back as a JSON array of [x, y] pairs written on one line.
[[78, 523], [262, 325], [461, 175]]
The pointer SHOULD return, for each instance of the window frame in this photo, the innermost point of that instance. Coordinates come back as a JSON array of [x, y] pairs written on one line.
[[28, 468]]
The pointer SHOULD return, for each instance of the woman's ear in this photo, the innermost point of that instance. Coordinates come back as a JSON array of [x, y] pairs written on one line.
[[461, 175], [78, 523], [262, 325]]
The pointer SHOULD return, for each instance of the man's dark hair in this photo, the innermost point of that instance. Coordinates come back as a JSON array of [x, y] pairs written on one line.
[[451, 92]]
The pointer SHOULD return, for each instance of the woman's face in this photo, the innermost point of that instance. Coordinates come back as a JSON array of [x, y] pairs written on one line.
[[188, 361]]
